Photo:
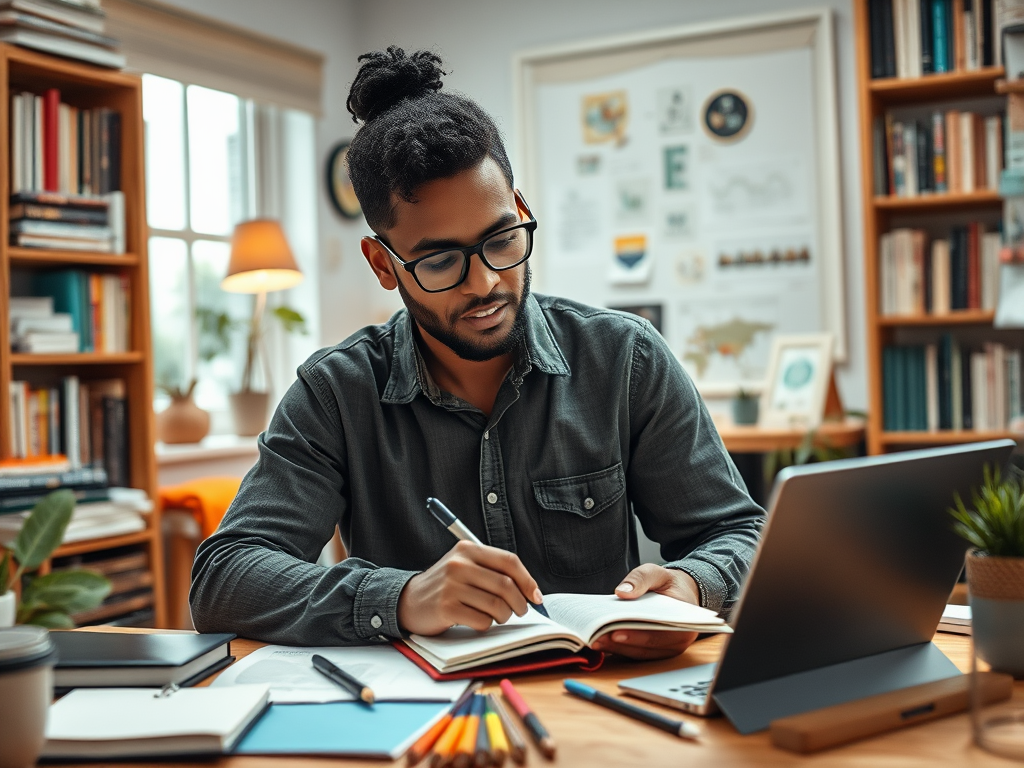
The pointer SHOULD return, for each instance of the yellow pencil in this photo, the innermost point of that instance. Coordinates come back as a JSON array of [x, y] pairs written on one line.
[[422, 747], [442, 752], [499, 744], [466, 747], [516, 740]]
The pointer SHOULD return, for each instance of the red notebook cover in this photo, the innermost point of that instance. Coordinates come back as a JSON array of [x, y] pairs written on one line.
[[585, 660], [51, 140]]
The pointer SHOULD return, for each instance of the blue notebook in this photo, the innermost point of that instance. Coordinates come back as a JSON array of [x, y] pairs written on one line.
[[386, 730]]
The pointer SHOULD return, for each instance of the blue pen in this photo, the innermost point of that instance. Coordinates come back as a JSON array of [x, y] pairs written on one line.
[[448, 519], [677, 727]]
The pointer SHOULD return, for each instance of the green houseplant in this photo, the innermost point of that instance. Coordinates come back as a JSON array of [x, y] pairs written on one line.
[[48, 600], [994, 526]]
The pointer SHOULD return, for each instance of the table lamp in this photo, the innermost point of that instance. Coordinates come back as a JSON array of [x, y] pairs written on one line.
[[261, 261]]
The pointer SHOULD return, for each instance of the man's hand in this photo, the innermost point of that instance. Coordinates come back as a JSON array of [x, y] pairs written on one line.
[[472, 584], [652, 644]]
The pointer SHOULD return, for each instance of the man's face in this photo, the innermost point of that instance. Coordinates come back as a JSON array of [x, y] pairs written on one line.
[[482, 317]]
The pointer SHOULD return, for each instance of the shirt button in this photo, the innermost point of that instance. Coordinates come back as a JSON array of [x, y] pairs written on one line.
[[492, 498], [487, 435], [375, 622], [588, 503]]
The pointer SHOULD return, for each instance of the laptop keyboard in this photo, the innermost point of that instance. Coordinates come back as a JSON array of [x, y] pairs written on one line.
[[699, 690]]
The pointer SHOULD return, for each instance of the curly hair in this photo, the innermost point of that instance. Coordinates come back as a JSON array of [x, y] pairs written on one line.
[[412, 131]]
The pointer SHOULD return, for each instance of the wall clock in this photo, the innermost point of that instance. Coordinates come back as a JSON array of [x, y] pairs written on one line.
[[339, 185]]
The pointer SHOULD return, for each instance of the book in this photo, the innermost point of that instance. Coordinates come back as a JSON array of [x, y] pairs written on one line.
[[118, 723], [63, 11], [956, 619], [45, 481], [13, 18], [575, 622], [63, 46], [28, 211], [105, 659]]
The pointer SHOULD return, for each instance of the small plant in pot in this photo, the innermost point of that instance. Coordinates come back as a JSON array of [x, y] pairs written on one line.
[[994, 526], [46, 600], [745, 407]]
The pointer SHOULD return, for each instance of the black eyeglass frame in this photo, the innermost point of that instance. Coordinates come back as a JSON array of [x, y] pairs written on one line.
[[467, 251]]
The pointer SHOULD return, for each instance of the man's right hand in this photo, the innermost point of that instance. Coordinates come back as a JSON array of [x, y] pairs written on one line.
[[472, 584]]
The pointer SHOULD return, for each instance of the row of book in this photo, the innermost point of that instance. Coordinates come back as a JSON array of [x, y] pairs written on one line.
[[911, 38], [71, 28], [73, 311], [130, 602], [68, 222], [946, 385], [82, 423], [959, 272], [950, 152], [122, 512]]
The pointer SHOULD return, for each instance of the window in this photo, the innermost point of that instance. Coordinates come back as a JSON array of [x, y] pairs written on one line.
[[205, 150]]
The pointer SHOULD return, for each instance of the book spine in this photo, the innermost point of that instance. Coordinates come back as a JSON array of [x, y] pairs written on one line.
[[979, 391], [17, 145], [924, 164], [945, 382], [51, 140], [957, 377], [993, 151], [888, 390], [53, 421], [952, 146], [910, 160], [85, 477], [71, 444], [970, 36], [888, 39], [932, 386], [973, 265], [38, 179], [959, 51], [899, 161], [940, 35], [966, 152], [927, 36], [9, 504], [115, 440], [913, 32], [939, 152], [70, 215], [986, 24], [875, 24]]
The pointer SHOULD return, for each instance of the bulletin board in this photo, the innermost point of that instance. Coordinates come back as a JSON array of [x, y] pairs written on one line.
[[691, 175]]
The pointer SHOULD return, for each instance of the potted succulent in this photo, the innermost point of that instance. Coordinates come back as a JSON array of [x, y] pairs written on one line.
[[745, 407], [994, 526], [46, 600]]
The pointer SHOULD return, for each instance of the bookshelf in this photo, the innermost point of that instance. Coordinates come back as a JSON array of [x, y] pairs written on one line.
[[883, 213], [87, 87]]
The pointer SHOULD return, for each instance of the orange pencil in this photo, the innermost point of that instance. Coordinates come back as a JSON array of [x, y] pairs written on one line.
[[423, 745], [444, 748], [499, 743], [466, 749]]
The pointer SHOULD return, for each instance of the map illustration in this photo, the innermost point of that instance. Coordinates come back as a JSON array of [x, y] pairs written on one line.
[[729, 340]]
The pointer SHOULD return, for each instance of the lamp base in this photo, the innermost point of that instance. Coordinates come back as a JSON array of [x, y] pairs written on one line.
[[249, 412]]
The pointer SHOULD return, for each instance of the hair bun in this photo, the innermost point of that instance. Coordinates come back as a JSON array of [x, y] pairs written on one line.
[[387, 77]]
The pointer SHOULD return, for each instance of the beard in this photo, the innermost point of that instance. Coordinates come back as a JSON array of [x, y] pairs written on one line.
[[476, 350]]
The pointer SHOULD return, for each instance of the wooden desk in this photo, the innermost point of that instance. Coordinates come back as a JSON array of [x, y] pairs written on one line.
[[590, 736], [753, 439]]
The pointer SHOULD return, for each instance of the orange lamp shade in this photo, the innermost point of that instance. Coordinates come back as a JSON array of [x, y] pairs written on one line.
[[261, 259]]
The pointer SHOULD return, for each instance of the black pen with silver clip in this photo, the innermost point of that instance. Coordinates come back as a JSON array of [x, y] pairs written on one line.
[[340, 677], [448, 519]]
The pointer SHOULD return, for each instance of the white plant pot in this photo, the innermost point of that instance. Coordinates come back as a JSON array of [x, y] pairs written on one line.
[[8, 609]]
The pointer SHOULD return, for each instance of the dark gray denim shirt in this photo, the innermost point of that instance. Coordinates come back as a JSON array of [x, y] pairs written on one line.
[[595, 423]]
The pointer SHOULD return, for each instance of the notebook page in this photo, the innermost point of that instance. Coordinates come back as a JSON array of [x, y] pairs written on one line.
[[587, 614]]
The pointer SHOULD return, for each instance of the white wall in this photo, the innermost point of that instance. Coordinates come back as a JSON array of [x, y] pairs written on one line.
[[477, 39]]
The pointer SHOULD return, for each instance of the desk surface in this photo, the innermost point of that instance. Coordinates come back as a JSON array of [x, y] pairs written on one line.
[[589, 735]]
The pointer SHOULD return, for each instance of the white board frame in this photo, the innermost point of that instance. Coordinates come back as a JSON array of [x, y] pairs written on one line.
[[820, 22]]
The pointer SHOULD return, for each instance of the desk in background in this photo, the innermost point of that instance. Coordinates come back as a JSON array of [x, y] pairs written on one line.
[[589, 736]]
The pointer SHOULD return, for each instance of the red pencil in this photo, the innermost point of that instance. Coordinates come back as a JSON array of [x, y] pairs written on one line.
[[545, 743]]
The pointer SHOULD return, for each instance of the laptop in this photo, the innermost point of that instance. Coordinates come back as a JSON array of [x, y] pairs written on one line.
[[849, 581]]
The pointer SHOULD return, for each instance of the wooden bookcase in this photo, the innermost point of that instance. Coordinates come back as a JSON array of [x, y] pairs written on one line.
[[85, 86], [883, 213]]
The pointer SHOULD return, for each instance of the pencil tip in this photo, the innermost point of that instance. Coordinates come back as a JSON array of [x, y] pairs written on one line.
[[366, 695]]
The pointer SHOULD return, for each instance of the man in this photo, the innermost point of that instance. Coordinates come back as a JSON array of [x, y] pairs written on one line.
[[544, 424]]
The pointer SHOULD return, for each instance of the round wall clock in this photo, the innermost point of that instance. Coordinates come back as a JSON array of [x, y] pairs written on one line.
[[339, 185], [727, 115]]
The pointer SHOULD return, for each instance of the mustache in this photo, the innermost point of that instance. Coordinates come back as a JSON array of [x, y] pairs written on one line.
[[482, 301]]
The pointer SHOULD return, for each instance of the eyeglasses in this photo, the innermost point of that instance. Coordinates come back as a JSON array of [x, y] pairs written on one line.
[[501, 250]]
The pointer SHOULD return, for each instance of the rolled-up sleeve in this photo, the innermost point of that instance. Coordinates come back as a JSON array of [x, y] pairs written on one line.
[[257, 574], [685, 489]]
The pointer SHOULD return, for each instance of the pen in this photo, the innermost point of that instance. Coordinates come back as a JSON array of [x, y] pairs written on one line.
[[448, 519], [339, 676], [678, 727], [538, 732]]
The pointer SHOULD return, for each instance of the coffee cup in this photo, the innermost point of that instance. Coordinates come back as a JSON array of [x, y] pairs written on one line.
[[26, 689]]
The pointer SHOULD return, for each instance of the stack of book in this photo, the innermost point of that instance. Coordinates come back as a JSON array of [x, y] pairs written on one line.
[[911, 38], [949, 386], [949, 152], [35, 327], [71, 28], [82, 423], [97, 304], [917, 277], [121, 513], [130, 602]]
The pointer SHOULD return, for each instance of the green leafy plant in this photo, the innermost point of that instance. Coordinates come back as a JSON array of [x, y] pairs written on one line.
[[48, 600], [217, 326], [995, 522]]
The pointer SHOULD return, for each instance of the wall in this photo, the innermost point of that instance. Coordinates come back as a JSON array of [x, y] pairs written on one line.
[[477, 39]]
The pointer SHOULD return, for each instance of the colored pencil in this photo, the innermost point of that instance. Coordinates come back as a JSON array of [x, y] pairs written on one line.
[[541, 737], [679, 728], [496, 733], [482, 757], [444, 748], [425, 742], [516, 742], [465, 749]]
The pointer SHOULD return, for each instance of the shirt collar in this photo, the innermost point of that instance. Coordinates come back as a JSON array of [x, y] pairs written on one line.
[[409, 376]]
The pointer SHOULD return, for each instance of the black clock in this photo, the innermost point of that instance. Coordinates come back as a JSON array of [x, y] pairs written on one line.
[[339, 185]]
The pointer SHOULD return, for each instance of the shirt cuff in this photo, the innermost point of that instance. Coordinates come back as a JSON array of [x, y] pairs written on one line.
[[711, 585], [375, 614]]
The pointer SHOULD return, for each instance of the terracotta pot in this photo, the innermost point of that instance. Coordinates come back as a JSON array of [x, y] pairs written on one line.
[[249, 411], [996, 589], [182, 421]]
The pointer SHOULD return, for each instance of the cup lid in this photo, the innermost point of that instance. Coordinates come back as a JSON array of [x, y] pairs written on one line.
[[22, 644]]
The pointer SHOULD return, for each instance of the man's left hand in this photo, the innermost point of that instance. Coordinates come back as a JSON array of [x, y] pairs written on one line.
[[651, 644]]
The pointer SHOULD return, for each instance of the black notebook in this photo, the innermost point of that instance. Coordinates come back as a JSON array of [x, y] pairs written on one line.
[[108, 659]]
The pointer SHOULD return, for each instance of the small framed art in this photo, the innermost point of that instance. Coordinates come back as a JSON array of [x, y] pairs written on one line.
[[799, 373], [339, 185]]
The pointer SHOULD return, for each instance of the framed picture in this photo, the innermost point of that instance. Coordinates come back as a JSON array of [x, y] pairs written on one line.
[[649, 312], [799, 373], [339, 185]]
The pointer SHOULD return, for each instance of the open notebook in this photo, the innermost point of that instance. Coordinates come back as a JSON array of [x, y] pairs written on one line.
[[576, 621]]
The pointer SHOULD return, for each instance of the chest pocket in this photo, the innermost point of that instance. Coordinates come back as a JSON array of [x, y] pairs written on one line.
[[583, 521]]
